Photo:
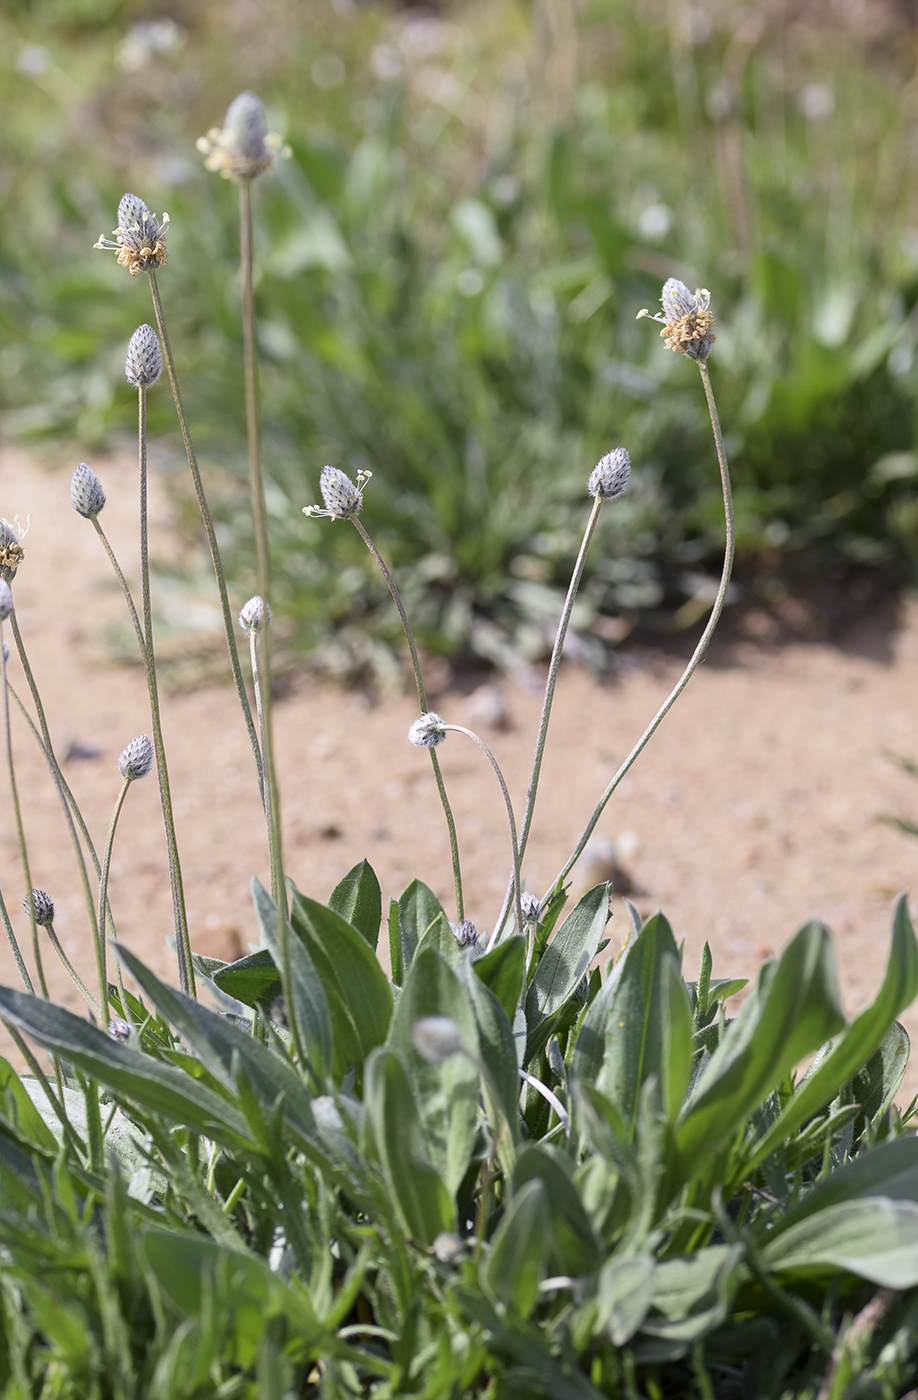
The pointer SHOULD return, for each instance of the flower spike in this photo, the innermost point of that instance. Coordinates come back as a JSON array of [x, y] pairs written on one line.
[[140, 238], [687, 322]]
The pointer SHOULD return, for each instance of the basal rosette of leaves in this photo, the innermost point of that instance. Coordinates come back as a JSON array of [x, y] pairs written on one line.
[[667, 1207]]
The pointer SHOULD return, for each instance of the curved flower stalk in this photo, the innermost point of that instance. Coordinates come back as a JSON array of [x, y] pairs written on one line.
[[135, 762], [132, 243], [688, 329], [255, 619], [343, 501]]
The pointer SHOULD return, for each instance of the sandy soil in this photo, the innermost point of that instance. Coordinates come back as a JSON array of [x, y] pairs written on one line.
[[753, 810]]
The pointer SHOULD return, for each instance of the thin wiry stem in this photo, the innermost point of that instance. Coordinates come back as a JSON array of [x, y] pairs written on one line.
[[71, 971], [101, 950], [553, 668], [124, 586], [20, 829], [700, 649], [14, 948], [422, 700], [272, 813], [514, 844], [180, 918], [256, 482], [208, 527], [71, 811]]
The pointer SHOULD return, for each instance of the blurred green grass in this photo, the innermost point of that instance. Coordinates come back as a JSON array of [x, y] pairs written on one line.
[[479, 200]]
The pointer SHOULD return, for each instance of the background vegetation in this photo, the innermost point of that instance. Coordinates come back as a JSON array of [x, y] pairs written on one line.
[[478, 201]]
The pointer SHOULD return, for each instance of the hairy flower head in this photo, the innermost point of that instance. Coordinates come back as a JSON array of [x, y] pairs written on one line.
[[12, 533], [688, 324], [140, 238], [143, 363], [465, 933], [119, 1029], [342, 498], [86, 494], [243, 147], [136, 758], [610, 475], [427, 732], [255, 615], [43, 905]]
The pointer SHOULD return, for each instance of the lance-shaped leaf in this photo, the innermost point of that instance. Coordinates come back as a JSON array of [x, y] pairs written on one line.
[[564, 964], [417, 1192], [358, 899]]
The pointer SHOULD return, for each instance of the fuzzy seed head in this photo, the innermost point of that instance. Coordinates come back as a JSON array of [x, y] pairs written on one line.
[[6, 600], [436, 1038], [610, 475], [427, 732], [255, 615], [136, 758], [11, 551], [119, 1029], [43, 905], [144, 361], [688, 325], [339, 493], [86, 494], [242, 148], [140, 238], [465, 933], [530, 908]]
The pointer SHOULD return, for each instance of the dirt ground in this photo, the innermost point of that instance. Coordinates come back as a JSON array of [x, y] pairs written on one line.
[[753, 810]]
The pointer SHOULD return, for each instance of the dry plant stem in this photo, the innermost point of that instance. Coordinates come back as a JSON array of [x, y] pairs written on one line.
[[700, 649], [208, 526], [270, 795], [553, 668], [20, 830], [514, 845], [256, 482], [124, 586], [71, 971], [103, 901], [14, 948], [180, 918], [422, 700], [70, 809]]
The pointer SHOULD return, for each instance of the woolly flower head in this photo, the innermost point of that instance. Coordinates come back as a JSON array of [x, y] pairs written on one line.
[[342, 498], [143, 363], [255, 615], [12, 533], [688, 324], [43, 905], [140, 238], [86, 494], [119, 1029], [465, 933], [610, 475], [243, 147], [136, 758], [427, 732]]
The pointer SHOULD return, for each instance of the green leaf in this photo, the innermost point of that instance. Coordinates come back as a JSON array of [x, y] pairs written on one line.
[[496, 1046], [416, 1190], [421, 917], [224, 1048], [244, 1291], [396, 962], [692, 1293], [564, 963], [625, 1035], [503, 971], [356, 988], [358, 899], [624, 1290], [155, 1088], [676, 1067], [856, 1044], [575, 1249], [889, 1169], [875, 1238], [254, 980], [515, 1264], [310, 1004], [29, 1123], [875, 1085], [447, 1093], [791, 1011]]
